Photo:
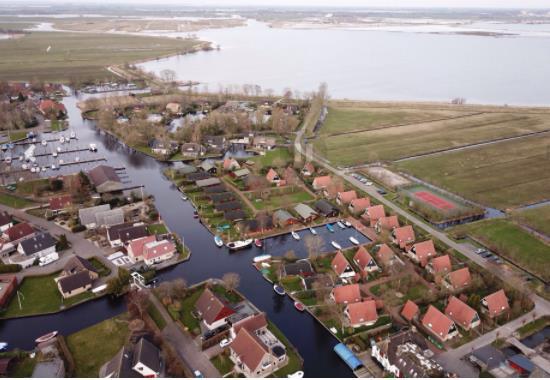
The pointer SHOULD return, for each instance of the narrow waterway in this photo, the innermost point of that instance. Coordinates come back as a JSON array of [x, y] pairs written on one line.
[[208, 261]]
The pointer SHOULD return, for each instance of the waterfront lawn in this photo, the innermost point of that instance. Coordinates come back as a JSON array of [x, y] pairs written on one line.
[[276, 201], [411, 288], [292, 284], [29, 187], [13, 201], [537, 218], [156, 316], [533, 327], [95, 345], [23, 364], [157, 229], [512, 242], [294, 359], [185, 315], [221, 291], [39, 296], [278, 157], [102, 270], [223, 363]]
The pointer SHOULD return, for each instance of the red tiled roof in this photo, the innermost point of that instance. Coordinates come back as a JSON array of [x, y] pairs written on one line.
[[136, 246], [60, 203], [252, 323], [404, 236], [211, 308], [339, 263], [249, 349], [497, 303], [410, 310], [363, 258], [384, 253], [157, 249], [388, 222], [19, 231], [459, 278], [360, 204], [437, 322], [347, 196], [48, 105], [271, 175], [424, 250], [229, 162], [347, 294], [441, 264], [322, 182], [374, 213], [309, 167], [459, 312], [362, 312]]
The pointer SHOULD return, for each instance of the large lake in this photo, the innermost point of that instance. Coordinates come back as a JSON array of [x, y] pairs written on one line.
[[375, 64]]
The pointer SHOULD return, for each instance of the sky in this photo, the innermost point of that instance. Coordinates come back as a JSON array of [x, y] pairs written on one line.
[[338, 3]]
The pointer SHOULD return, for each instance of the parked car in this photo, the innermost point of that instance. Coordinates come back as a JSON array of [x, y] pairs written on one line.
[[197, 373], [368, 183], [479, 251], [381, 191], [226, 342]]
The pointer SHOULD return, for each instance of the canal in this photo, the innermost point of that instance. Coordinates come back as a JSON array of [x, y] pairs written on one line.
[[314, 343]]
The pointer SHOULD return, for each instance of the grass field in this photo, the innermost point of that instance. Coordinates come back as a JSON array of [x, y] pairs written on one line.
[[15, 202], [502, 175], [512, 242], [537, 218], [95, 345], [284, 200], [354, 135], [279, 157], [78, 55]]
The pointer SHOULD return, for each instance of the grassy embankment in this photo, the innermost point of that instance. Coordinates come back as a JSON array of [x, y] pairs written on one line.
[[536, 218], [79, 55]]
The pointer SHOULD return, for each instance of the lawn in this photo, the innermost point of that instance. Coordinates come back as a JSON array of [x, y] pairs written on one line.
[[364, 140], [29, 187], [276, 201], [95, 345], [537, 218], [279, 157], [221, 291], [24, 364], [16, 135], [40, 295], [502, 175], [156, 316], [410, 287], [157, 229], [294, 359], [223, 363], [511, 241], [100, 267], [80, 56], [292, 283], [13, 201], [187, 306]]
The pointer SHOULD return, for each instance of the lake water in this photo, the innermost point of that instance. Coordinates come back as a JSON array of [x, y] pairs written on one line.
[[376, 65]]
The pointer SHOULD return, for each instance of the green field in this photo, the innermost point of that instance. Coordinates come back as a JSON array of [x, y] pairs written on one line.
[[79, 56], [279, 157], [536, 218], [354, 135], [284, 200], [512, 242], [15, 202], [96, 345], [502, 175]]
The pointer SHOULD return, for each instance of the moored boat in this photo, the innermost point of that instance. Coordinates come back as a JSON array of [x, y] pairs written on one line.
[[195, 214], [295, 235], [261, 258], [239, 244], [184, 197], [3, 346], [347, 223], [330, 227], [336, 245], [93, 147], [279, 289], [258, 243], [46, 337], [312, 230], [341, 225], [44, 143], [218, 240], [354, 240], [299, 306], [297, 374]]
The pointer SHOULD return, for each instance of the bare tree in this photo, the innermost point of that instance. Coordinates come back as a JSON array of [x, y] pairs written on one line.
[[168, 75], [138, 302], [313, 244], [231, 280]]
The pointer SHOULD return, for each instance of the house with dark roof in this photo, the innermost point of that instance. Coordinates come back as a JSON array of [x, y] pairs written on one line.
[[326, 209], [306, 213], [301, 268], [208, 166], [87, 216], [208, 182], [234, 215], [321, 280], [212, 310], [121, 234], [75, 284], [253, 226], [488, 357], [193, 150], [142, 359], [41, 246], [105, 179], [78, 264], [264, 142], [283, 218], [163, 148]]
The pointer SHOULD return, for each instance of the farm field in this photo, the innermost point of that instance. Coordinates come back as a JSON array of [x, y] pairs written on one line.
[[536, 218], [78, 55], [352, 135], [503, 175], [511, 241]]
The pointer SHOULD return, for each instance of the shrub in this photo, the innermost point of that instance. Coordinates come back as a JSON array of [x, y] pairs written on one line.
[[10, 268], [78, 228]]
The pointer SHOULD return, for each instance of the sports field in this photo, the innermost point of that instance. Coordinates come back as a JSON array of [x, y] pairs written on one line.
[[356, 135], [501, 175]]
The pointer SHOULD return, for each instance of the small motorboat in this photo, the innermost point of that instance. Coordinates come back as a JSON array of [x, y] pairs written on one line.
[[184, 197], [73, 135], [3, 346], [258, 243], [62, 139], [299, 306], [76, 159], [260, 258], [336, 245], [312, 230], [297, 375], [53, 166], [347, 223], [93, 147], [354, 240], [279, 289], [46, 337], [330, 227], [54, 154], [44, 143], [266, 265], [8, 160], [218, 240], [61, 162], [24, 166], [195, 214], [239, 244], [341, 225], [59, 149], [295, 235]]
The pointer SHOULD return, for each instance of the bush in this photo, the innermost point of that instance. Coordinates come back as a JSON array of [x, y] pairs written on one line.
[[78, 228], [10, 268]]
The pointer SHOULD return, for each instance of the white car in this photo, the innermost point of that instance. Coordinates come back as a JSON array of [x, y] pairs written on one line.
[[226, 342], [368, 183]]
